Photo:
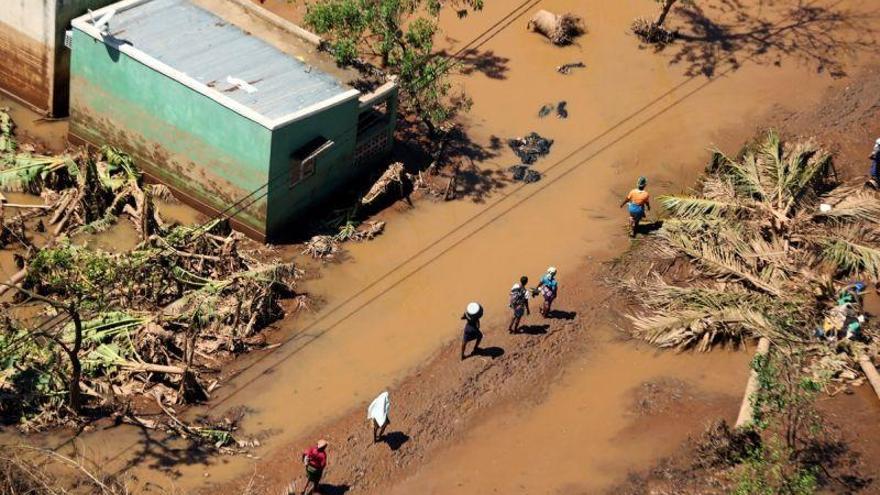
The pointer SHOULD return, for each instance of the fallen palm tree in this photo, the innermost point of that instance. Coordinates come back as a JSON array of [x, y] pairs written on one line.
[[764, 244]]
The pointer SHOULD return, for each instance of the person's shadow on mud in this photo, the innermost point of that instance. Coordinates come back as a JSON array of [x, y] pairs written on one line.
[[533, 329], [395, 439], [325, 489], [493, 352], [557, 314], [647, 228]]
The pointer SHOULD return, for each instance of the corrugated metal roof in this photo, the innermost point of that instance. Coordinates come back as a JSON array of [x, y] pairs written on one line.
[[210, 50]]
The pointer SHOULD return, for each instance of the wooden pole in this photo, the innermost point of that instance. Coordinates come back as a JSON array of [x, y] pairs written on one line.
[[746, 414], [871, 372]]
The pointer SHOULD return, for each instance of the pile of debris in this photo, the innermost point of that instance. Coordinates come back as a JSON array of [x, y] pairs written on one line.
[[325, 247], [652, 33], [767, 241], [119, 330], [528, 149], [559, 29]]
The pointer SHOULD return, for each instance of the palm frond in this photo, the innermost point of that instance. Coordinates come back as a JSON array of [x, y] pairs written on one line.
[[696, 207], [850, 256], [721, 261], [702, 329], [857, 207], [719, 188]]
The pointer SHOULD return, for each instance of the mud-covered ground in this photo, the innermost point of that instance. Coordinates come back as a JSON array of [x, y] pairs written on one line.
[[439, 403]]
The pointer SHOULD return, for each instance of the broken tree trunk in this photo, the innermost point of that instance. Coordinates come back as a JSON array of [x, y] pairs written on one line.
[[871, 372], [746, 413], [14, 281], [154, 368], [559, 29], [394, 174]]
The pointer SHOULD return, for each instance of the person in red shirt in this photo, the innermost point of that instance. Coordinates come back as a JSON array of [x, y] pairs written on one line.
[[315, 460]]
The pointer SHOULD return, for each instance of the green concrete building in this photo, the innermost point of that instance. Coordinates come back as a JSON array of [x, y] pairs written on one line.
[[226, 104]]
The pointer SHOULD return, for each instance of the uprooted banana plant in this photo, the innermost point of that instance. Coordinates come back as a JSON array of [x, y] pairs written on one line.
[[157, 320], [82, 191], [166, 315], [767, 235]]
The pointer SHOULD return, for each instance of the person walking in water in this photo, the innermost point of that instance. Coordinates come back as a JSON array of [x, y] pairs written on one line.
[[315, 460], [519, 303], [874, 181], [638, 201], [472, 316], [548, 287]]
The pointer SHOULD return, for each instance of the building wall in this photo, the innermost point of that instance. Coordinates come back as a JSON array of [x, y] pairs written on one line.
[[66, 11], [26, 50], [34, 65], [177, 135], [333, 170]]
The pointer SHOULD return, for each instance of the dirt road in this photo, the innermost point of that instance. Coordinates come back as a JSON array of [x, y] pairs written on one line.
[[395, 302]]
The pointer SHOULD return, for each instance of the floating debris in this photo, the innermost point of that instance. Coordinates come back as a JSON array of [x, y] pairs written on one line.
[[566, 68], [528, 149], [545, 110], [524, 174], [561, 110]]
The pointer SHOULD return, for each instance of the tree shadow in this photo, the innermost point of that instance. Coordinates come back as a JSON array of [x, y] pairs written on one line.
[[164, 452], [490, 352], [471, 181], [837, 463], [486, 62], [816, 33], [534, 329], [395, 439], [558, 314]]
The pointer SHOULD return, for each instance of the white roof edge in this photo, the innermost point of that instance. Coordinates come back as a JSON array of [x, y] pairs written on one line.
[[315, 108], [83, 25]]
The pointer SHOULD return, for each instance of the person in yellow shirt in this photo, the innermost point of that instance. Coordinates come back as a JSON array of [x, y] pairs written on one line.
[[638, 201]]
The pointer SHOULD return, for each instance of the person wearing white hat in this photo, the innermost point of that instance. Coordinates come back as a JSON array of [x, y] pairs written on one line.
[[315, 461], [472, 316], [875, 165], [549, 288], [519, 303]]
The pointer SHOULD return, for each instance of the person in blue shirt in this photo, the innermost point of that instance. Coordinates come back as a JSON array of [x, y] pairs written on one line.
[[548, 287], [875, 165]]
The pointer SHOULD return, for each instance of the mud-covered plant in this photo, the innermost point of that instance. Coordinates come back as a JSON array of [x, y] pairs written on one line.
[[654, 31], [30, 470], [766, 234], [400, 33], [789, 425]]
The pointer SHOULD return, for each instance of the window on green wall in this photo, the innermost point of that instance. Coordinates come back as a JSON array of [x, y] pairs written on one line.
[[304, 161]]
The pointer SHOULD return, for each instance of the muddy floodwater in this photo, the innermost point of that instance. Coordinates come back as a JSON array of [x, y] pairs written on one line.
[[397, 299]]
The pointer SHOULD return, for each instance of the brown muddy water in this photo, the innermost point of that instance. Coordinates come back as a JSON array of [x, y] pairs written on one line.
[[396, 300], [47, 134]]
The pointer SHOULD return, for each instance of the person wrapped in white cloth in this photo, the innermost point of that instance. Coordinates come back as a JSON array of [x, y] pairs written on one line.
[[377, 411]]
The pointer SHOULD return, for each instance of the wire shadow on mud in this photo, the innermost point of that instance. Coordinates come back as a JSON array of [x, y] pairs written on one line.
[[820, 34]]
